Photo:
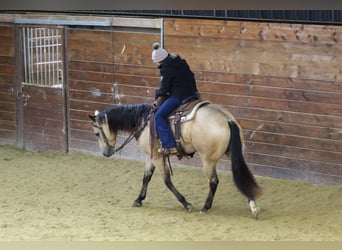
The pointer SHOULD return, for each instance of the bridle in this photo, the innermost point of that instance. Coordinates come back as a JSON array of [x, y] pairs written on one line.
[[105, 139], [134, 134]]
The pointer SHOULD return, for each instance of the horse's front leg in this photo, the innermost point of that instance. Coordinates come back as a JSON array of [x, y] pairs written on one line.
[[179, 196], [146, 179]]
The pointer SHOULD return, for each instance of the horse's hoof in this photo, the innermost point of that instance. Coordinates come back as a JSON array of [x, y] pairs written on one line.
[[188, 207], [136, 204], [204, 211], [256, 213]]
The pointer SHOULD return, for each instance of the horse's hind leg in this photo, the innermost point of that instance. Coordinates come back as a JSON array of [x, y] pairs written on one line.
[[180, 197], [146, 179], [213, 183]]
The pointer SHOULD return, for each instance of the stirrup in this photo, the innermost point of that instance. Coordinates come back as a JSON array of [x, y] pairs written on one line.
[[168, 151]]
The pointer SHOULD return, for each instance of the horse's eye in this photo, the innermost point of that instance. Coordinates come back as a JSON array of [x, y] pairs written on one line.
[[97, 134]]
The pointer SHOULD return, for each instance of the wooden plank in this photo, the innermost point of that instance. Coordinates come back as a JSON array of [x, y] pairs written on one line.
[[136, 70], [300, 84], [81, 115], [7, 116], [7, 125], [57, 19], [286, 117], [274, 104], [38, 107], [86, 135], [94, 87], [296, 95], [90, 66], [37, 113], [7, 97], [89, 45], [220, 87], [6, 69], [6, 78], [81, 125], [96, 51], [256, 57], [81, 105], [295, 164], [136, 22], [135, 99], [134, 48], [290, 129], [243, 43], [298, 141], [8, 107], [269, 81], [94, 35], [277, 32], [84, 146], [45, 121], [7, 41], [40, 142], [91, 76], [140, 81], [7, 136], [297, 175], [91, 96], [293, 152], [45, 130], [249, 89], [137, 91]]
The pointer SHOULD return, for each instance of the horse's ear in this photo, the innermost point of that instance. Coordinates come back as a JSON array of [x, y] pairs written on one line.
[[92, 117]]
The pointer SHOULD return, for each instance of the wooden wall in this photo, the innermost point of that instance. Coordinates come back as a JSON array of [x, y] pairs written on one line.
[[89, 77], [7, 85], [282, 81], [106, 67]]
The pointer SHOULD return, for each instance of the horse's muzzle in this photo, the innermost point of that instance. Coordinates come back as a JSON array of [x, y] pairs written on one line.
[[109, 152], [107, 155]]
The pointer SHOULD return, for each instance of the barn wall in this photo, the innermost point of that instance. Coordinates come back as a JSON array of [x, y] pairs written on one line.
[[89, 78], [7, 85], [107, 67], [282, 81]]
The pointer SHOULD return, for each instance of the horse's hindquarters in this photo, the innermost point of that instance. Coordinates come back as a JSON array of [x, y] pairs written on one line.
[[208, 133]]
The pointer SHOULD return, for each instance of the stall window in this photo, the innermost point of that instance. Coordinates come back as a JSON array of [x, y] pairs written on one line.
[[43, 56]]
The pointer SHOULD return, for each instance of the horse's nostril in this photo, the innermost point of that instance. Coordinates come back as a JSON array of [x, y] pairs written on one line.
[[106, 155]]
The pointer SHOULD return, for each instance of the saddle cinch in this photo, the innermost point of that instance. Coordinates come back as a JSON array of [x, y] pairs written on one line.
[[183, 113]]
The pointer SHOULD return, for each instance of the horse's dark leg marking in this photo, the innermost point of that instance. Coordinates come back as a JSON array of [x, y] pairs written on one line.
[[180, 197], [147, 177], [212, 190]]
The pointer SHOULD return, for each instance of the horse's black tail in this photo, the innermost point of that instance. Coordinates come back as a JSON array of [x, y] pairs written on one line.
[[243, 178]]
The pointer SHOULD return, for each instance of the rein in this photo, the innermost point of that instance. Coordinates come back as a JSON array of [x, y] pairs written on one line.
[[128, 139]]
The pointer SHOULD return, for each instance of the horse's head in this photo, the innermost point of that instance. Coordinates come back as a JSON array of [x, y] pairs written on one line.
[[106, 137]]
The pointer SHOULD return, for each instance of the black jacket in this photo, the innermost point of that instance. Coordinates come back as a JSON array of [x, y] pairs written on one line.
[[177, 80]]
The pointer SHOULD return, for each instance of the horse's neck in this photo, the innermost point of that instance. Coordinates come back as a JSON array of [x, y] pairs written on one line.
[[127, 118]]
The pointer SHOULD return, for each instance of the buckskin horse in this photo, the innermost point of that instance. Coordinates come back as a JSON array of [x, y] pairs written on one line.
[[211, 132]]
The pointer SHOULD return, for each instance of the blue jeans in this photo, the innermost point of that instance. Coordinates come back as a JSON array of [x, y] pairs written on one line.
[[162, 123]]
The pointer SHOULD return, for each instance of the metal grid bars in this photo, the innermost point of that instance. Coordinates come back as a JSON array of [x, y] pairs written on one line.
[[43, 56]]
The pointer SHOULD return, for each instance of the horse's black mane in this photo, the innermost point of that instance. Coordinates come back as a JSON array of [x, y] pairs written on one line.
[[125, 117]]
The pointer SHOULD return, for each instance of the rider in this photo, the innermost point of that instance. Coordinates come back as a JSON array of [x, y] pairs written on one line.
[[177, 86]]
